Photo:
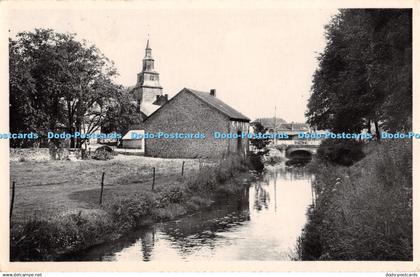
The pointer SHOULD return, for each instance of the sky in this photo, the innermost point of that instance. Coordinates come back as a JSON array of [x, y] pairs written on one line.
[[259, 60]]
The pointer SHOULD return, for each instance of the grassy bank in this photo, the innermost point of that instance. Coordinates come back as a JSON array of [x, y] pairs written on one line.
[[364, 211], [57, 208]]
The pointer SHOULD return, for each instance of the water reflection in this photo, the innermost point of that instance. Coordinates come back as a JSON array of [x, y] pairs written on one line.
[[147, 239], [263, 223], [298, 162], [204, 229], [262, 197]]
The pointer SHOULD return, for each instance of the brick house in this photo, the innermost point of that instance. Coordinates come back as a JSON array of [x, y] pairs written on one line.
[[192, 111]]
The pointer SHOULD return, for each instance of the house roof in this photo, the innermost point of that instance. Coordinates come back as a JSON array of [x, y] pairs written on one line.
[[212, 101], [292, 127], [148, 108], [218, 105]]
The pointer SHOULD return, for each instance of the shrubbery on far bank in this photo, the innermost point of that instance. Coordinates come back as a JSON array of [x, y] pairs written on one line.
[[340, 152], [362, 212]]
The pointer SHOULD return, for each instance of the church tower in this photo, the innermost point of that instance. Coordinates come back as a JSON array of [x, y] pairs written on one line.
[[147, 89]]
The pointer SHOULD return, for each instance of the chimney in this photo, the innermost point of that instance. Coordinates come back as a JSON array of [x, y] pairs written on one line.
[[213, 92], [161, 99]]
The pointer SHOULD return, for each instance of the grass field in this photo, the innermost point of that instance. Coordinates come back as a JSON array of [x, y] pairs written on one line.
[[47, 188]]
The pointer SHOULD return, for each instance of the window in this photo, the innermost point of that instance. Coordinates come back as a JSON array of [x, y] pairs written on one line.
[[152, 77]]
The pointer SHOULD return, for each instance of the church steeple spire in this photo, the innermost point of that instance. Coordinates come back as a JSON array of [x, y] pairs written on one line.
[[148, 51], [148, 86]]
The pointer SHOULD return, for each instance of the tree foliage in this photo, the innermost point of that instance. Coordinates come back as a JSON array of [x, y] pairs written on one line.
[[122, 115], [259, 143], [364, 73], [58, 82]]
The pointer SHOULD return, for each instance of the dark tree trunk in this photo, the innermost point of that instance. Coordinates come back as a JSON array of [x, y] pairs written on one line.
[[53, 123], [78, 129], [377, 131], [369, 126], [70, 123]]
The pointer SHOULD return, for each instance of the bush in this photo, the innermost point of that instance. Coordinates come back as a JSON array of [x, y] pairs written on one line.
[[255, 160], [363, 212], [103, 153], [210, 178], [171, 212], [204, 182], [135, 211], [340, 152], [171, 195], [196, 202], [44, 239]]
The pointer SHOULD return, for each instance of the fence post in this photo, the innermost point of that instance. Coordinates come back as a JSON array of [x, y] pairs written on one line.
[[153, 182], [182, 170], [12, 200], [102, 188]]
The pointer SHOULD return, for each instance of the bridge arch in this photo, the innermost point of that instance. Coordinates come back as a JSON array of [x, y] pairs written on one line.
[[299, 153]]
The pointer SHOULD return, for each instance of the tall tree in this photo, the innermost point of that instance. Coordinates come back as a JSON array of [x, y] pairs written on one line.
[[24, 117], [58, 82], [364, 73]]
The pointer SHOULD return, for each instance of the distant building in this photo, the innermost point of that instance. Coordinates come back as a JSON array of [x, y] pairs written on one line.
[[133, 142], [270, 122], [292, 129], [192, 112]]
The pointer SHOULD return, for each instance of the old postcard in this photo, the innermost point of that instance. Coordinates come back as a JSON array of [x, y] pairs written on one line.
[[209, 136]]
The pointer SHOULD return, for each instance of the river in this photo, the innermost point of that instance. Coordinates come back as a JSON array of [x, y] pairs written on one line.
[[264, 225]]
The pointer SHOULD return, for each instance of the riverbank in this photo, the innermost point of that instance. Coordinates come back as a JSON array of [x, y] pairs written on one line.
[[66, 195], [244, 228], [364, 211]]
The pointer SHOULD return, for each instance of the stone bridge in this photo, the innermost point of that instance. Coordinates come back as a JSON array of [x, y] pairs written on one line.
[[298, 150]]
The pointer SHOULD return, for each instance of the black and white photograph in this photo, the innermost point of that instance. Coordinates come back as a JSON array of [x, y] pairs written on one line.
[[146, 132]]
